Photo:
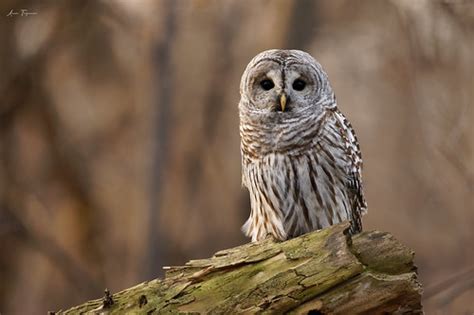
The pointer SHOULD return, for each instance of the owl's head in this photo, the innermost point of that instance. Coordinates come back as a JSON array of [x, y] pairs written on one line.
[[283, 83]]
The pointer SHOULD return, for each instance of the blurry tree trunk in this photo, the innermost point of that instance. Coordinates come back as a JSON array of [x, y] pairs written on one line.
[[324, 272]]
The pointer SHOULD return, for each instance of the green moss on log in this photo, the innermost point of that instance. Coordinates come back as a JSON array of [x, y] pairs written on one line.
[[324, 271]]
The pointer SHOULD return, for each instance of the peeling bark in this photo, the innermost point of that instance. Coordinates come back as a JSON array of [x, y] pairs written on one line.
[[324, 272]]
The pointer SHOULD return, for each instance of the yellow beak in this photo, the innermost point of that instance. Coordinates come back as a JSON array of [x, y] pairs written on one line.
[[283, 101]]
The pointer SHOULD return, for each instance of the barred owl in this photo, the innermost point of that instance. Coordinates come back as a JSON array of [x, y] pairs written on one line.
[[301, 161]]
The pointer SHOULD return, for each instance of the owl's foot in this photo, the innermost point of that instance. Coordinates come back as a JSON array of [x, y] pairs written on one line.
[[271, 237]]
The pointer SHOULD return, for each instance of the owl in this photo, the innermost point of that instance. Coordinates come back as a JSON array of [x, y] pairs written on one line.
[[301, 160]]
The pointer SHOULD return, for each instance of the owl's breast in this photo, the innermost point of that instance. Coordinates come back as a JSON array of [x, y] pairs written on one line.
[[306, 191], [293, 136]]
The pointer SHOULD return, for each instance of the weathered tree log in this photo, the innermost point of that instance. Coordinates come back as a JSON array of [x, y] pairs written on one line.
[[324, 272]]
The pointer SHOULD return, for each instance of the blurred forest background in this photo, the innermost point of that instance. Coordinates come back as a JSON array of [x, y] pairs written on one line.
[[119, 143]]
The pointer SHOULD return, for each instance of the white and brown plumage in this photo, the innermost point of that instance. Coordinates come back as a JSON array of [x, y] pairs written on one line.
[[301, 161]]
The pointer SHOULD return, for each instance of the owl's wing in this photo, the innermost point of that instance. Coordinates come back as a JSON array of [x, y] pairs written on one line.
[[244, 163], [354, 175]]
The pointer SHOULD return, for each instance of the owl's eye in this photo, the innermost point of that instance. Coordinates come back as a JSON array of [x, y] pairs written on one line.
[[299, 85], [267, 84]]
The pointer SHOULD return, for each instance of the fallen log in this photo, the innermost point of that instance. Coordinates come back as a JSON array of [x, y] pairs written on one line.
[[323, 272]]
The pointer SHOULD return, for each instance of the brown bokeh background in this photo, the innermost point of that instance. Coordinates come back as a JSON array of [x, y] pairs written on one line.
[[119, 144]]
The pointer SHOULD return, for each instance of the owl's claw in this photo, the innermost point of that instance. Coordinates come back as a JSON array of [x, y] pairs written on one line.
[[272, 238]]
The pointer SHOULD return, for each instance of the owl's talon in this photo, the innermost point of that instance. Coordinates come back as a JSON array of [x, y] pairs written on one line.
[[270, 236]]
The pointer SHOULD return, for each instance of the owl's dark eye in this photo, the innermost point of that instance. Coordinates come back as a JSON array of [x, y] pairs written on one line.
[[267, 84], [299, 85]]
